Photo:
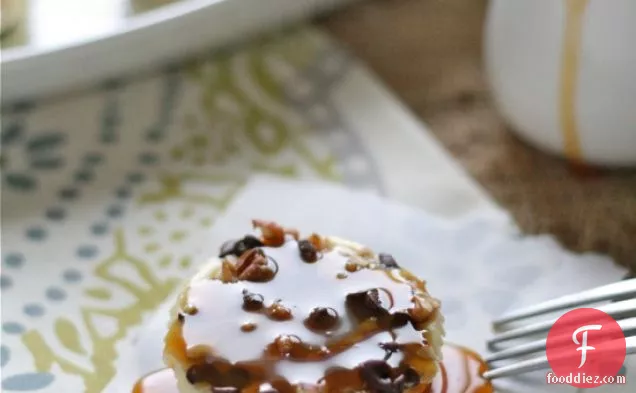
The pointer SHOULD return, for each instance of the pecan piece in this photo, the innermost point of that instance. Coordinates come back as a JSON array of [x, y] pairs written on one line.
[[273, 235], [317, 241], [228, 272], [257, 273], [255, 256]]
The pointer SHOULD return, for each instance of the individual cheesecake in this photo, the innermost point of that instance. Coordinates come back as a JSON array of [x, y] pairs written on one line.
[[277, 312]]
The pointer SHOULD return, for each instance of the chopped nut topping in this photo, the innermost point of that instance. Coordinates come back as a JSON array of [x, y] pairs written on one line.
[[248, 327], [317, 241], [228, 272], [253, 266], [341, 276], [255, 256], [257, 273], [352, 267], [278, 312], [272, 233]]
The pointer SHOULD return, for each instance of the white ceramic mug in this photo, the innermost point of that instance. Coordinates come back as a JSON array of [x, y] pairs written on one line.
[[563, 73]]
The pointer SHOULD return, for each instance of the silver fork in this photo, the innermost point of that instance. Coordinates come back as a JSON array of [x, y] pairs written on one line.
[[618, 300]]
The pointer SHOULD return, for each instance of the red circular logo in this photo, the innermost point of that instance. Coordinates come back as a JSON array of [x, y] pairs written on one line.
[[585, 348]]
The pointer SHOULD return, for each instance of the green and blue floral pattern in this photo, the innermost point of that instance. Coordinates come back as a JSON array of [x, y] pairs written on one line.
[[108, 196]]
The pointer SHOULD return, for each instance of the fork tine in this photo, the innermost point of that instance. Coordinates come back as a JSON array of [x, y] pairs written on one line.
[[620, 289], [627, 325], [522, 367], [538, 363], [519, 350], [615, 310]]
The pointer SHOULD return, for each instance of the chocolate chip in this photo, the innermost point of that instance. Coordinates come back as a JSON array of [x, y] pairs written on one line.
[[201, 373], [247, 243], [308, 252], [399, 319], [238, 247], [227, 248], [377, 376], [387, 261], [365, 305], [322, 318], [252, 301], [234, 377]]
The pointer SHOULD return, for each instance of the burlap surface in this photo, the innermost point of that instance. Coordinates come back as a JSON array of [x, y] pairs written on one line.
[[429, 53]]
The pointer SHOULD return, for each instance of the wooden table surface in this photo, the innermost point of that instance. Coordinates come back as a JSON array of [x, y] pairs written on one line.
[[429, 53]]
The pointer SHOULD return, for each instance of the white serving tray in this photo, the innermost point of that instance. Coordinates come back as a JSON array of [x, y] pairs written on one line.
[[75, 43]]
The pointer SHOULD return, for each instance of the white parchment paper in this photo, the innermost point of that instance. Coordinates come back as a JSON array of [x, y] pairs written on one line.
[[479, 265]]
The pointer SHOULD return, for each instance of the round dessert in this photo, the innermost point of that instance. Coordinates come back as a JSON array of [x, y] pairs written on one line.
[[281, 313]]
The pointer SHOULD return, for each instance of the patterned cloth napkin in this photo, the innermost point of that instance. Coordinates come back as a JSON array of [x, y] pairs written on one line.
[[107, 194]]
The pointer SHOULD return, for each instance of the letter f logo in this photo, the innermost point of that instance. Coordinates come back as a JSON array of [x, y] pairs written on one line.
[[583, 343]]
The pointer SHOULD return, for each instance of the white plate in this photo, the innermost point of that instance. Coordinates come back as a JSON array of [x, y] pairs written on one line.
[[74, 43]]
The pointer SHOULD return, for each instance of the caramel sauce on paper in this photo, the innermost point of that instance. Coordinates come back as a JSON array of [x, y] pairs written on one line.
[[460, 372], [162, 381]]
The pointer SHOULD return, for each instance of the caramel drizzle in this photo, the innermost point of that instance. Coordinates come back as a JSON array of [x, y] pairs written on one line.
[[570, 65], [335, 380], [261, 371], [459, 372]]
